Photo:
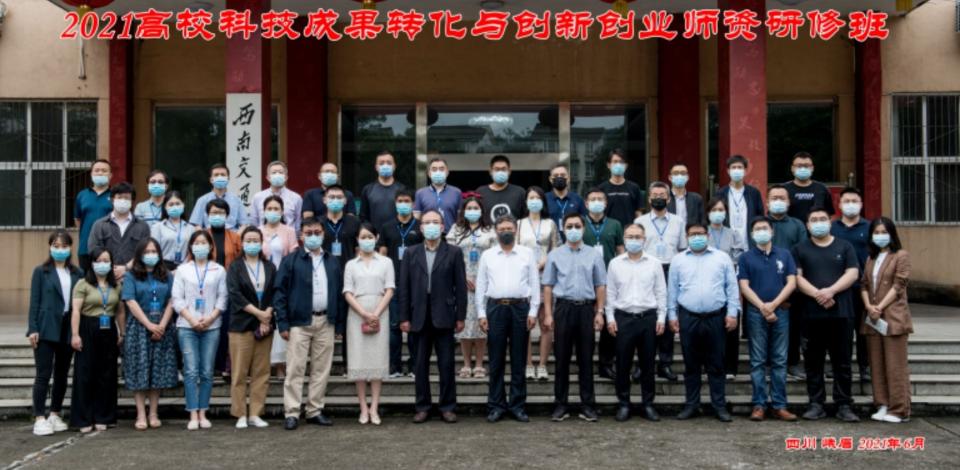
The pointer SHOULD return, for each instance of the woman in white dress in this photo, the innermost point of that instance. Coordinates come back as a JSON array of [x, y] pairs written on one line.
[[473, 235], [368, 285], [279, 240], [538, 232]]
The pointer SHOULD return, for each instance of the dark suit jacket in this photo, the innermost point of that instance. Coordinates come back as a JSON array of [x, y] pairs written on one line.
[[448, 281], [694, 207], [293, 294], [46, 301], [241, 293]]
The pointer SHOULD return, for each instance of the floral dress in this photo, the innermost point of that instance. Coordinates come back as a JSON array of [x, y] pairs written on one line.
[[472, 243], [148, 364]]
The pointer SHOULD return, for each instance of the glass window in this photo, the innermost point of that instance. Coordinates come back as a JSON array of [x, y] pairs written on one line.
[[493, 129], [368, 130], [595, 130], [13, 131]]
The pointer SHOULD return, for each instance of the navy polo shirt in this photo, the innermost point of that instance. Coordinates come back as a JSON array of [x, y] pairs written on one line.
[[857, 234], [767, 273], [89, 208], [558, 207], [313, 201]]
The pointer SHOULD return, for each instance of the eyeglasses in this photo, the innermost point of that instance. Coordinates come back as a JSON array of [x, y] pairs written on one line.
[[318, 233]]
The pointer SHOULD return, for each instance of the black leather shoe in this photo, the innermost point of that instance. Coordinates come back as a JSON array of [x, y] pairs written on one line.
[[421, 417], [521, 416], [623, 414], [724, 416], [635, 376], [559, 414], [814, 412], [449, 417], [844, 413], [291, 423], [320, 420], [587, 413], [494, 416], [607, 372], [667, 373], [650, 414], [688, 412]]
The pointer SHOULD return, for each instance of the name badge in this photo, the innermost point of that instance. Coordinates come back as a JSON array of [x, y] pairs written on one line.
[[474, 256], [259, 296], [155, 306], [178, 258], [199, 306], [336, 248], [104, 321], [599, 249], [661, 251], [400, 250]]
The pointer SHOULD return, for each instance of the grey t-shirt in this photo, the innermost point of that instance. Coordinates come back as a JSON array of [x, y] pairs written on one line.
[[431, 257], [377, 203]]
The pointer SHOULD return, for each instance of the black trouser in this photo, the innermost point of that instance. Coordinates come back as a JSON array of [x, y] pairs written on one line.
[[507, 322], [731, 354], [702, 339], [665, 341], [862, 355], [798, 338], [84, 261], [94, 398], [574, 328], [429, 338], [222, 361], [52, 358], [396, 341], [636, 332], [833, 335]]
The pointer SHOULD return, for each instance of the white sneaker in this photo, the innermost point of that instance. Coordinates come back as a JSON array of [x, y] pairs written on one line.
[[531, 372], [889, 418], [42, 427], [542, 373], [193, 425], [58, 424], [257, 422], [205, 424], [878, 416], [242, 422]]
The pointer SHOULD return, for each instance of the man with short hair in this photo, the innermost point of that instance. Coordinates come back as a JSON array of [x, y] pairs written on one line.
[[499, 197], [376, 198], [292, 202], [438, 195], [561, 200], [788, 232], [685, 204], [855, 230], [340, 229], [744, 201], [92, 204], [805, 192], [219, 180], [395, 238], [625, 199], [313, 199], [119, 232], [605, 235]]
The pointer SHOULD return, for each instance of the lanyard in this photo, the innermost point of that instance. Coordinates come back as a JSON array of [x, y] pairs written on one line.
[[737, 203], [536, 231], [474, 236], [563, 208], [255, 274], [666, 224], [336, 231], [105, 296], [179, 233], [201, 281], [596, 231], [404, 232], [153, 287]]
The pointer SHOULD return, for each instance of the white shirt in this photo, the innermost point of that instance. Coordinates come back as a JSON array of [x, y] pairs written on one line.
[[681, 203], [503, 275], [737, 206], [541, 237], [64, 275], [186, 291], [664, 235], [636, 286], [319, 282], [122, 224], [876, 269]]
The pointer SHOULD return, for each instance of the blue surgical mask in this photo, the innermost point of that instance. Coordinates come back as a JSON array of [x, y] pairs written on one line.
[[438, 177], [272, 217], [762, 237], [717, 217], [472, 215], [175, 211], [820, 229], [404, 208], [679, 180], [618, 169], [200, 252], [501, 177], [277, 180], [102, 268], [881, 239], [596, 207], [221, 182], [385, 171], [803, 173], [328, 179], [157, 190], [150, 259], [534, 205], [312, 242], [736, 174], [851, 209], [122, 206], [633, 246], [573, 234], [335, 205], [100, 180], [778, 207], [217, 220], [60, 254], [367, 245], [431, 231], [697, 242], [252, 248]]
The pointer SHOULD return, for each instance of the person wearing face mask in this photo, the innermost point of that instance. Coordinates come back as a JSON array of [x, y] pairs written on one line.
[[575, 275], [703, 300], [340, 229], [151, 210], [433, 306], [395, 238], [605, 235], [439, 195], [726, 240], [744, 201], [788, 233], [48, 329], [856, 230], [687, 205], [279, 239], [226, 248], [664, 238], [805, 192], [625, 199], [473, 235], [507, 299], [636, 314], [376, 198], [292, 202], [119, 232], [220, 180], [884, 294], [199, 296], [767, 276], [313, 199], [500, 197], [172, 232], [368, 286], [826, 269], [561, 200], [92, 204], [310, 311], [149, 354]]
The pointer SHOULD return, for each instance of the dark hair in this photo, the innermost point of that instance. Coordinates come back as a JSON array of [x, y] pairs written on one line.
[[404, 193], [173, 193], [713, 203], [101, 160], [506, 218], [658, 184], [851, 190], [217, 166], [139, 270], [310, 221], [278, 200], [252, 229], [756, 220], [368, 227], [777, 186], [166, 179], [694, 225], [801, 155], [123, 188], [544, 213], [572, 215], [64, 237], [219, 204], [684, 165], [436, 160], [90, 276], [385, 152], [334, 187], [499, 158], [816, 209], [738, 159], [206, 236], [616, 152], [592, 190], [559, 165], [462, 225], [888, 224]]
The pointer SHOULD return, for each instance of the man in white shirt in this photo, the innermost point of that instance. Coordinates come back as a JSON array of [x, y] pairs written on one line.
[[508, 289], [636, 314], [292, 202]]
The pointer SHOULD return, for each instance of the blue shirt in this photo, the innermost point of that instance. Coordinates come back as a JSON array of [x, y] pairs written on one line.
[[90, 207], [313, 202], [702, 283], [558, 207], [574, 274], [447, 201], [766, 272], [148, 212], [147, 291], [236, 218]]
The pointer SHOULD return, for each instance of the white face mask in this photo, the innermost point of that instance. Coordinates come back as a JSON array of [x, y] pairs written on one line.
[[122, 206]]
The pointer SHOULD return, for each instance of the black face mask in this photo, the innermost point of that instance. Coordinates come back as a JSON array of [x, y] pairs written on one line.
[[560, 183], [658, 204], [506, 238]]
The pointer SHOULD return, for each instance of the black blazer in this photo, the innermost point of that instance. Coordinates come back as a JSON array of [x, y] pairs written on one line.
[[695, 212], [46, 301], [293, 291], [448, 298], [241, 293]]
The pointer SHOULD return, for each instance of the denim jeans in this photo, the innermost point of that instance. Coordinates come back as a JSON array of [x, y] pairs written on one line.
[[768, 345], [199, 349]]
